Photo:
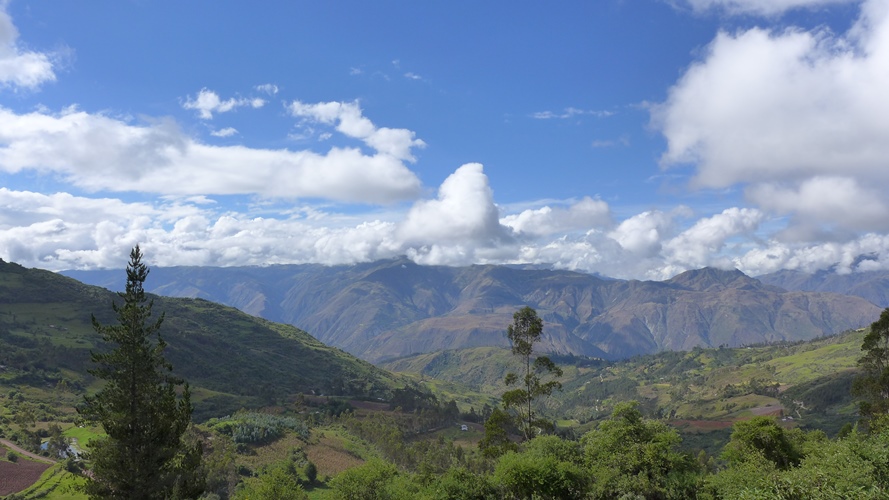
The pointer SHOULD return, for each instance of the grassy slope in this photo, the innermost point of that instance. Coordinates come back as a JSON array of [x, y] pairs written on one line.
[[230, 359], [702, 384]]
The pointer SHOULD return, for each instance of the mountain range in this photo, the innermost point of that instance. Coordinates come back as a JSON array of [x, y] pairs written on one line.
[[393, 308], [870, 285]]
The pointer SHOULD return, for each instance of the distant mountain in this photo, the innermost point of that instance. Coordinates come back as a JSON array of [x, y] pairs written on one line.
[[45, 331], [870, 285], [394, 308]]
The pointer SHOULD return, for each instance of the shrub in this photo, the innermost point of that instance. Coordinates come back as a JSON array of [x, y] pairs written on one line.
[[252, 427]]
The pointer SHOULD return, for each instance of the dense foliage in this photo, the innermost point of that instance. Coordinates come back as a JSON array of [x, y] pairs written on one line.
[[873, 384]]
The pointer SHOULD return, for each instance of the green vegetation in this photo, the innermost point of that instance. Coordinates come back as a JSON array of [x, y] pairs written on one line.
[[873, 383], [142, 454], [523, 333], [253, 427], [707, 423]]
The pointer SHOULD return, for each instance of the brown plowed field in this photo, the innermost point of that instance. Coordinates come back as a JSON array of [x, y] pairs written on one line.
[[18, 476]]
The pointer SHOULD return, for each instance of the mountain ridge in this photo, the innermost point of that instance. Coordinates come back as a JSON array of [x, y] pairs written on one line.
[[392, 308], [45, 328]]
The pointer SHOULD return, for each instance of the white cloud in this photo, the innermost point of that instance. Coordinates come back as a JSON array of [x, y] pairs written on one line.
[[845, 256], [463, 213], [208, 102], [268, 88], [18, 67], [788, 113], [838, 201], [97, 152], [570, 113], [349, 120], [702, 244], [761, 7], [225, 132], [458, 227], [412, 76], [545, 221], [610, 143], [642, 234]]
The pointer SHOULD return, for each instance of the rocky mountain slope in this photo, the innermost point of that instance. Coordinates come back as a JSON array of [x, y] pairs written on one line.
[[393, 308], [870, 285]]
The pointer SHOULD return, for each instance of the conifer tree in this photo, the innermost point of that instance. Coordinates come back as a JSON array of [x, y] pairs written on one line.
[[143, 455]]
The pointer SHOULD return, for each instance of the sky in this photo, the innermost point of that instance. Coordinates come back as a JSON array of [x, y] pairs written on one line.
[[636, 139]]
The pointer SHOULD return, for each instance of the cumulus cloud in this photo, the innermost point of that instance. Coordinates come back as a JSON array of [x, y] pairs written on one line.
[[583, 215], [761, 7], [20, 68], [100, 153], [701, 244], [348, 119], [464, 212], [458, 227], [643, 233], [844, 257], [788, 113], [208, 102]]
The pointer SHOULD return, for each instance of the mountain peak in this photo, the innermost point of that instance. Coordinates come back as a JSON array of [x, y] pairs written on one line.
[[711, 279]]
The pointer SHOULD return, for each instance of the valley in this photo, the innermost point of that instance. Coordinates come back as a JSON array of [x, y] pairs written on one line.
[[324, 407]]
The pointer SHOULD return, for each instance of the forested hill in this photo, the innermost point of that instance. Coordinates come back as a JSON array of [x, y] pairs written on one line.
[[393, 308], [46, 336]]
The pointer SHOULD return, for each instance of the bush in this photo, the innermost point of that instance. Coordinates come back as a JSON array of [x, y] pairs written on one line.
[[11, 456], [251, 427]]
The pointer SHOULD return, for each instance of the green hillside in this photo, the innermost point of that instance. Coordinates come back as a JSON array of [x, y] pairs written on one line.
[[806, 381], [230, 358]]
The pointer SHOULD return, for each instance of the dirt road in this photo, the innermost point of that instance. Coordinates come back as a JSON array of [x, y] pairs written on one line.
[[26, 453]]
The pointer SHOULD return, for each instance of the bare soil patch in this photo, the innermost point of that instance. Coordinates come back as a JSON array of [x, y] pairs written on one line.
[[330, 457], [771, 411], [17, 476]]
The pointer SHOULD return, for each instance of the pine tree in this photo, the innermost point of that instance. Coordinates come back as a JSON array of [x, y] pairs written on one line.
[[143, 455]]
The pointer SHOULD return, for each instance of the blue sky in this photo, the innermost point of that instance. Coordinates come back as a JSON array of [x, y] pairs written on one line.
[[634, 138]]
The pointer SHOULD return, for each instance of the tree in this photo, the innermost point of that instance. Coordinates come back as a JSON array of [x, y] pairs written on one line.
[[873, 383], [629, 453], [549, 468], [496, 439], [764, 437], [373, 480], [276, 483], [143, 455], [523, 333]]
